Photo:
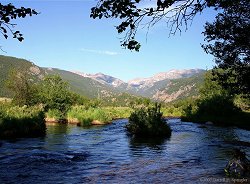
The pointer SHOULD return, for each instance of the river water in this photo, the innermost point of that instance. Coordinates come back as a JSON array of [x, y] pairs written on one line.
[[106, 154]]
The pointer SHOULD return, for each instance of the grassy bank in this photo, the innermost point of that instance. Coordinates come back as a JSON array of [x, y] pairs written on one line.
[[23, 121], [172, 111], [87, 116]]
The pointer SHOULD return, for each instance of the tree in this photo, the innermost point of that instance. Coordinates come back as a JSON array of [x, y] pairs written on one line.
[[211, 87], [55, 94], [7, 14], [23, 89], [228, 40]]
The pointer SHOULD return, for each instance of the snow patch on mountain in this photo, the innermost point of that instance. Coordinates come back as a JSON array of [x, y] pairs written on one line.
[[102, 78], [172, 74]]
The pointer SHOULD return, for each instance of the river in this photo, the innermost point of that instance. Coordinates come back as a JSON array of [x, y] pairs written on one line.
[[106, 154]]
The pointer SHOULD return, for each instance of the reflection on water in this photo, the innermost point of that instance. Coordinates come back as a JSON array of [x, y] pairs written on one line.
[[106, 154]]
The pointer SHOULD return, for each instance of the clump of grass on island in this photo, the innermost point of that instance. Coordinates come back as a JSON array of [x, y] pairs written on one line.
[[23, 121], [148, 122]]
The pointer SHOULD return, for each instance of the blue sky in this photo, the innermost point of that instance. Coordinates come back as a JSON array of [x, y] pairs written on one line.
[[63, 36]]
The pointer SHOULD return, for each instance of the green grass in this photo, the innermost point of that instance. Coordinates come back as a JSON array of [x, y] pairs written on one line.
[[118, 112], [54, 114], [86, 116], [172, 111], [24, 121]]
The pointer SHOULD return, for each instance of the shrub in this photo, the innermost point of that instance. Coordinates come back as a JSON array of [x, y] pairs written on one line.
[[22, 122], [218, 109], [148, 122]]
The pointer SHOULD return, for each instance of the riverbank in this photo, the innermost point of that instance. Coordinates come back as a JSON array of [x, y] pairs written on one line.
[[16, 122], [240, 120], [30, 121], [82, 116]]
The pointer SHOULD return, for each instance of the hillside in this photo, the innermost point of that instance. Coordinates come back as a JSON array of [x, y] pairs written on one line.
[[93, 89], [8, 64], [83, 85]]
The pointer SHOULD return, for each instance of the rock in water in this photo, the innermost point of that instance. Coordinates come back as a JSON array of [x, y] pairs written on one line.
[[238, 166], [209, 123]]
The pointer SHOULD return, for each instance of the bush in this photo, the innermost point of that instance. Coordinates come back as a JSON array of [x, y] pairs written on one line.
[[218, 109], [148, 122], [22, 122]]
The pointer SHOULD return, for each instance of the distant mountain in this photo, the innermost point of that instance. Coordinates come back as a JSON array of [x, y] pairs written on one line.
[[157, 87], [172, 74], [178, 89], [102, 78]]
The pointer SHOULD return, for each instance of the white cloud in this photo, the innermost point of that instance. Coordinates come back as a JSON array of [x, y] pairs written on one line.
[[105, 52]]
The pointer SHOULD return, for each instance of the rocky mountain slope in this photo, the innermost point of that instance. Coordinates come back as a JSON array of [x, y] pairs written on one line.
[[178, 89], [172, 74], [154, 87]]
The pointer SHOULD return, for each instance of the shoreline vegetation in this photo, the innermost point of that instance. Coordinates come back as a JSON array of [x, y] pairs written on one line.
[[51, 100], [82, 116], [17, 122]]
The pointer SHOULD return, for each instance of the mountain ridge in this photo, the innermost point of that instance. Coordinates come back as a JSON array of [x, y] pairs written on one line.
[[141, 82], [163, 86]]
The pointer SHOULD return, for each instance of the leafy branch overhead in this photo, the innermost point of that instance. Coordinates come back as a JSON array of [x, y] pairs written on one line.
[[7, 14], [176, 13]]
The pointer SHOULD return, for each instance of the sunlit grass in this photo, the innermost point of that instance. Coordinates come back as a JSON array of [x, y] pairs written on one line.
[[87, 116], [53, 115], [172, 111], [21, 121]]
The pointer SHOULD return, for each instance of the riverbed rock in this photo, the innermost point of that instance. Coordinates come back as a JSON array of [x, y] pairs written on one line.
[[202, 126], [209, 123], [97, 122], [74, 121], [238, 166], [51, 120]]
